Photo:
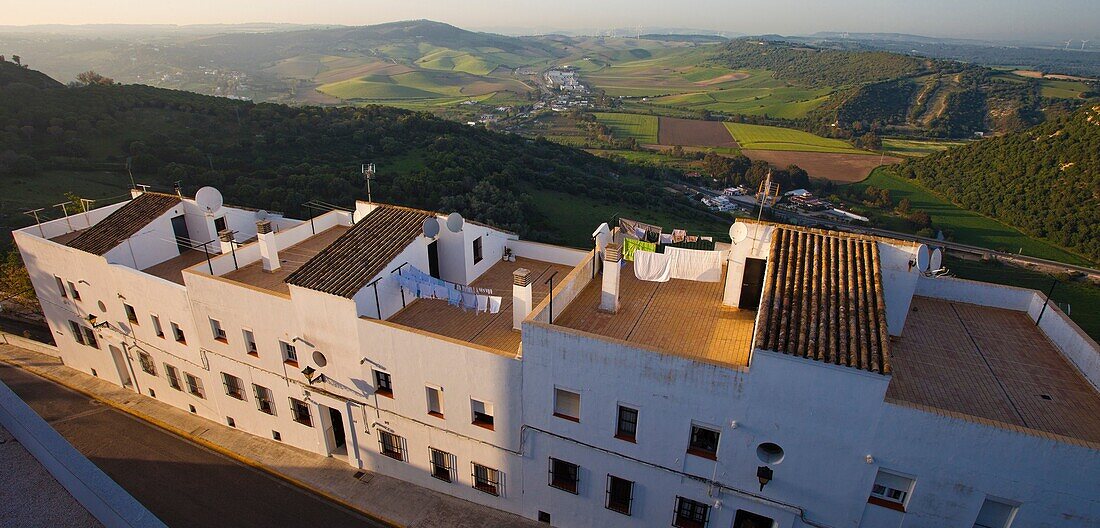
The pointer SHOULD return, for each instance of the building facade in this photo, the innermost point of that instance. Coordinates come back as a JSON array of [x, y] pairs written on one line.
[[825, 379]]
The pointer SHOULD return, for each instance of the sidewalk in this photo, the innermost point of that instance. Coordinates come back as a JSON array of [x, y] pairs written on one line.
[[387, 498]]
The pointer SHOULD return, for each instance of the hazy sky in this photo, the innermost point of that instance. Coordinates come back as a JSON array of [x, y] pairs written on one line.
[[1003, 19]]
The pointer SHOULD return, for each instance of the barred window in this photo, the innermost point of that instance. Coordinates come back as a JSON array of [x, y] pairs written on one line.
[[194, 385], [391, 445], [443, 464], [263, 399], [564, 475], [620, 494], [173, 377], [626, 426], [233, 386], [488, 479], [147, 363], [301, 412], [691, 514]]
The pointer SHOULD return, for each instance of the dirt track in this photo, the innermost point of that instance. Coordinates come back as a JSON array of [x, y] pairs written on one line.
[[676, 131], [840, 168]]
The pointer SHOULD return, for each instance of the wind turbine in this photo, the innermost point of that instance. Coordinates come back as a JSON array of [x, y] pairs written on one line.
[[1083, 42], [1068, 42]]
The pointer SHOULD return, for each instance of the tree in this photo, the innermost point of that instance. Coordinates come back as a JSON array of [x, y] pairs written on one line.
[[903, 206], [920, 219], [17, 59], [90, 78], [15, 284]]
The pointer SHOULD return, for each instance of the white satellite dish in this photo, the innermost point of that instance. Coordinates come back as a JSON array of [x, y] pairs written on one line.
[[739, 232], [935, 262], [924, 257], [455, 222], [261, 215], [431, 227], [209, 199]]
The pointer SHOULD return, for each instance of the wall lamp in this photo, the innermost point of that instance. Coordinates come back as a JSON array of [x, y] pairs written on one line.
[[764, 475], [308, 373], [92, 321]]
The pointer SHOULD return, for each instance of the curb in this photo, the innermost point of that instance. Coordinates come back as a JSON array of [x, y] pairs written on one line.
[[167, 427]]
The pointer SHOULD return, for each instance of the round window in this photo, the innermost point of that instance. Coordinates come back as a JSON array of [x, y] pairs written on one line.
[[102, 307], [319, 358], [769, 453]]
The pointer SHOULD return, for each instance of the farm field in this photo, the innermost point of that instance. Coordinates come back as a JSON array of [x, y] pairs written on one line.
[[693, 132], [757, 93], [916, 148], [761, 137], [968, 227], [643, 128], [832, 166]]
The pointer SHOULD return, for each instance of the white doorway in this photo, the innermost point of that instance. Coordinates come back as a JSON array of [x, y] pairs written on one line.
[[120, 365]]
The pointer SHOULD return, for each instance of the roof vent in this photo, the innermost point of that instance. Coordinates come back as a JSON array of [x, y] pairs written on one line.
[[521, 277], [613, 252], [263, 227]]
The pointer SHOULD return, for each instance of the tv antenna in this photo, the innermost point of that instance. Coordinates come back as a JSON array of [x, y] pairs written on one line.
[[65, 211], [368, 173], [34, 213], [129, 164], [769, 191]]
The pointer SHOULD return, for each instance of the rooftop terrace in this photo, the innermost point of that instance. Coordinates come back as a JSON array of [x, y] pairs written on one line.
[[290, 259], [489, 330], [679, 317], [990, 363]]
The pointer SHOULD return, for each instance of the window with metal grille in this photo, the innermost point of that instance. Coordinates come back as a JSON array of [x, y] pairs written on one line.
[[890, 490], [233, 386], [218, 331], [156, 326], [301, 412], [77, 331], [443, 465], [482, 414], [383, 384], [488, 479], [263, 399], [477, 250], [173, 377], [704, 442], [626, 424], [250, 342], [620, 494], [131, 315], [691, 514], [391, 445], [147, 363], [194, 385], [567, 404], [177, 334], [564, 475]]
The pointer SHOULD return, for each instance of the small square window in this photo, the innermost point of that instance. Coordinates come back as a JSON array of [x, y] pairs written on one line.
[[276, 435], [567, 405], [704, 442], [564, 475], [544, 517], [177, 333], [995, 513], [152, 393], [250, 347], [890, 490], [192, 409], [626, 425], [482, 414], [230, 422], [383, 384], [435, 401], [477, 250], [218, 331], [131, 315], [290, 354]]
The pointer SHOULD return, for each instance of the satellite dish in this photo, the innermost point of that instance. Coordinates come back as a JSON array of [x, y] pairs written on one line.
[[924, 257], [431, 227], [209, 199], [739, 232], [454, 222], [261, 215], [935, 262]]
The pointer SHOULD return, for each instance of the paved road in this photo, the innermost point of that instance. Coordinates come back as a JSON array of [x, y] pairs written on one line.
[[182, 483]]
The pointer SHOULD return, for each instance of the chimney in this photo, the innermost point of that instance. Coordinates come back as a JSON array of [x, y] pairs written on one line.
[[226, 239], [269, 249], [609, 294], [521, 296]]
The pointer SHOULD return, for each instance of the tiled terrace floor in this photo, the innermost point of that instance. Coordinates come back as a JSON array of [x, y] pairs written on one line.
[[290, 259]]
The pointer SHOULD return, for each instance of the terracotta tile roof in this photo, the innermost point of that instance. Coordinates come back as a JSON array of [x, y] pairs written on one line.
[[123, 223], [349, 263], [823, 299]]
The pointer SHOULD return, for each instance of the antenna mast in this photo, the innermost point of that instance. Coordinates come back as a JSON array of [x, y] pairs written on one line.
[[368, 172]]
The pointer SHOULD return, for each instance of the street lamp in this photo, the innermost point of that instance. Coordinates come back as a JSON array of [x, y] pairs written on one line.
[[92, 321], [764, 475]]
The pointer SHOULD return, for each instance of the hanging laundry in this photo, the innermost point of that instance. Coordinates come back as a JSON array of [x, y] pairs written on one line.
[[696, 265], [441, 291], [639, 230], [454, 297], [678, 235], [653, 267], [483, 303], [469, 301], [666, 238], [630, 246], [494, 304], [692, 239]]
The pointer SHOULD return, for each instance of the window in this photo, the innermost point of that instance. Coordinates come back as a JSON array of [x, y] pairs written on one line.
[[564, 475], [89, 337], [250, 343], [219, 224], [73, 291], [78, 332], [704, 442], [230, 421], [488, 480], [301, 412], [177, 334], [890, 490], [147, 363], [131, 315], [263, 399], [156, 326], [290, 354], [218, 331], [483, 413], [691, 514], [61, 287], [567, 404], [626, 424], [477, 250], [391, 445], [747, 519], [276, 435], [995, 513], [194, 385], [435, 401], [383, 384], [620, 494], [233, 386], [173, 377], [443, 465]]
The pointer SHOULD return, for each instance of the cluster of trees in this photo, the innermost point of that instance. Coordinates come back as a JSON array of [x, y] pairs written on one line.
[[816, 66], [740, 170], [1044, 181], [278, 157]]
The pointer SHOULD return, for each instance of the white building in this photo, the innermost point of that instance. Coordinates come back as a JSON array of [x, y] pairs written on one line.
[[825, 381]]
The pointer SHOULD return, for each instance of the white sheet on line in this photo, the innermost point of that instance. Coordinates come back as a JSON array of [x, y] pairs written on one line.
[[694, 264], [653, 267]]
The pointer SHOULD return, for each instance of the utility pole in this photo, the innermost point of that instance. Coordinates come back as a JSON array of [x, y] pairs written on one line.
[[129, 163], [368, 172]]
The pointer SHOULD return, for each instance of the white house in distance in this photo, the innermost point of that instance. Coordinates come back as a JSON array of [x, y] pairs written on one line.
[[824, 380]]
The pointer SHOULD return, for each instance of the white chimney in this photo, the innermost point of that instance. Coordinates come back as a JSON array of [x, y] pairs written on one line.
[[521, 296], [225, 238], [269, 249], [609, 294]]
